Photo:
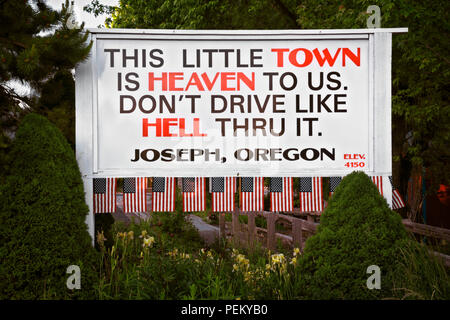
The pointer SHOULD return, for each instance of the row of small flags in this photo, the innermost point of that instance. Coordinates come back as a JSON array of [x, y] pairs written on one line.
[[222, 190]]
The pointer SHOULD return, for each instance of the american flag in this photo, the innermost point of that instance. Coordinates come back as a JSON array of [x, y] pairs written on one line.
[[252, 194], [397, 200], [378, 181], [193, 194], [311, 197], [222, 190], [334, 182], [281, 194], [104, 195], [134, 195], [163, 194]]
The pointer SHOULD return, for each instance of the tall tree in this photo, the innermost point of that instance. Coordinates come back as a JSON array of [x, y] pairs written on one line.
[[420, 78], [38, 45], [199, 14]]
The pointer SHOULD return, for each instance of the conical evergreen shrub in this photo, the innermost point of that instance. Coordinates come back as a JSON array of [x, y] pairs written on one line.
[[42, 218], [357, 230]]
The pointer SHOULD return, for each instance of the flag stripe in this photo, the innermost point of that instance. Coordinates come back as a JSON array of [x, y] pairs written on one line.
[[378, 181], [397, 200], [164, 201], [312, 200], [136, 201], [195, 201], [105, 201], [224, 201], [253, 201], [282, 201]]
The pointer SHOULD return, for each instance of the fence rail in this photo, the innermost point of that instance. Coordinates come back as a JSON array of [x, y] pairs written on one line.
[[426, 230], [300, 225]]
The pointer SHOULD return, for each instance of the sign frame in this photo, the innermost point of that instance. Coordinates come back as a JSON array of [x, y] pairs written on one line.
[[379, 79]]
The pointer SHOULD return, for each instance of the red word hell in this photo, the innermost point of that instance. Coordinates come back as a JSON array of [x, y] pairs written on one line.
[[321, 58], [225, 81], [163, 126], [354, 156]]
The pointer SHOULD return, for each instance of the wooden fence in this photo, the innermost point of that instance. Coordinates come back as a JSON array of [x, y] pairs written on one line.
[[301, 228], [430, 231], [249, 235]]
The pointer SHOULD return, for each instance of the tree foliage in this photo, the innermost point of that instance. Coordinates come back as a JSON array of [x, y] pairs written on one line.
[[420, 74], [37, 48], [37, 42], [57, 103], [199, 14], [42, 218]]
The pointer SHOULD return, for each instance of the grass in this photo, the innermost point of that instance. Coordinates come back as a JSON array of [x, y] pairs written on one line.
[[423, 275]]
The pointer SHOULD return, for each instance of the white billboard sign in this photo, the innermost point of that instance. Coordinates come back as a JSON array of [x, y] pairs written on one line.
[[278, 103], [235, 103]]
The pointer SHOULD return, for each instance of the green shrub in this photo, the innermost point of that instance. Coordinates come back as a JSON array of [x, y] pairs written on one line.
[[357, 229], [42, 218]]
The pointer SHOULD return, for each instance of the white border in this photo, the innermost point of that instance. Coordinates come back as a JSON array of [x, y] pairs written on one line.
[[380, 46], [246, 32]]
